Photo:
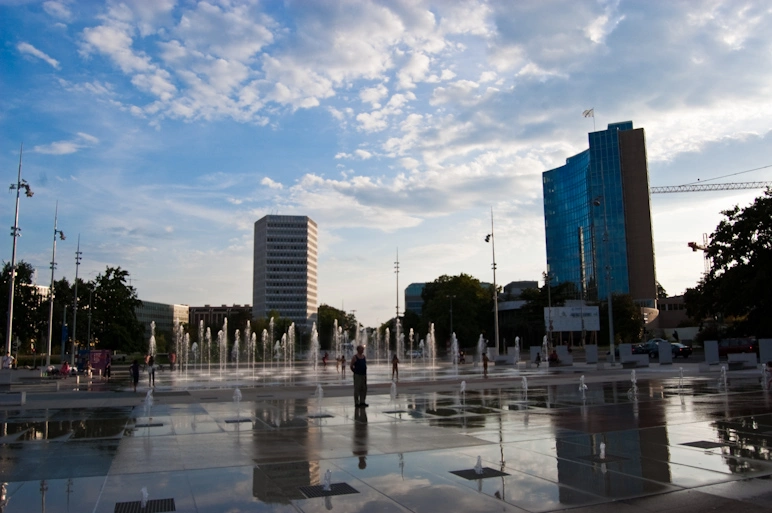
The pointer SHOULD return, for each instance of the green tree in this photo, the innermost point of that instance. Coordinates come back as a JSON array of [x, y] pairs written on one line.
[[661, 292], [28, 322], [628, 320], [737, 285], [326, 324], [472, 309], [114, 321]]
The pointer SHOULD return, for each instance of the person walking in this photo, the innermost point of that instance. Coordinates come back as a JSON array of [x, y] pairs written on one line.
[[485, 365], [134, 371], [359, 368], [151, 371], [394, 367]]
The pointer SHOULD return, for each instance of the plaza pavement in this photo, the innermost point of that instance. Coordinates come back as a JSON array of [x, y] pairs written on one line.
[[674, 444]]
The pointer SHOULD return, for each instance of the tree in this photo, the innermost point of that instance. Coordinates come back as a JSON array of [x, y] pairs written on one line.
[[661, 292], [628, 320], [326, 325], [737, 285], [114, 321], [28, 323], [472, 309]]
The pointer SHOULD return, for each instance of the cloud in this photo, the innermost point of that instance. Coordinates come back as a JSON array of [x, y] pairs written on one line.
[[82, 140], [271, 184], [28, 49], [58, 10]]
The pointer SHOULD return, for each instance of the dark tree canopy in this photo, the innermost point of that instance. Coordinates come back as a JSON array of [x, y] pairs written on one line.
[[28, 322], [114, 323], [737, 288], [326, 325], [472, 309]]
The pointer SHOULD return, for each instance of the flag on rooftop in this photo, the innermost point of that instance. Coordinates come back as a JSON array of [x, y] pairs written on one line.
[[589, 113]]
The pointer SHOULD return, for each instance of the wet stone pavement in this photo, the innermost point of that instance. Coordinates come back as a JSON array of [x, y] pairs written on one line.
[[672, 445]]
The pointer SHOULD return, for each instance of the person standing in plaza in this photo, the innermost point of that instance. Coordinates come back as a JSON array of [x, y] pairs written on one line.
[[359, 368], [134, 371], [395, 367], [7, 361]]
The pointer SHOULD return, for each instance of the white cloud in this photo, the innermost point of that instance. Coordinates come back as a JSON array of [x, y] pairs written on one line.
[[28, 49], [58, 10], [82, 140], [271, 184]]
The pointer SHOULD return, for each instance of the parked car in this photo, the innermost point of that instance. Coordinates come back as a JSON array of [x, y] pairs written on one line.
[[650, 348], [680, 350], [737, 345]]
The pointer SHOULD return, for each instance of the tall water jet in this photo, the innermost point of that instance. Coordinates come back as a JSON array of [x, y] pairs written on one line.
[[145, 495], [482, 348], [265, 346], [633, 392], [393, 392], [151, 346], [236, 350], [410, 337], [313, 354], [431, 343], [253, 352], [602, 450], [463, 393], [148, 402], [327, 486], [722, 382], [525, 387], [208, 349], [680, 379], [582, 387], [454, 352], [201, 344], [237, 402]]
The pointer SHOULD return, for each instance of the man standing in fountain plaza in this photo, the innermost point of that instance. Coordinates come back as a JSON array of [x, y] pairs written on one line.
[[359, 368]]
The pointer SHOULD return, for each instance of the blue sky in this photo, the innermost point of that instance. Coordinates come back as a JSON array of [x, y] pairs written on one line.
[[165, 129]]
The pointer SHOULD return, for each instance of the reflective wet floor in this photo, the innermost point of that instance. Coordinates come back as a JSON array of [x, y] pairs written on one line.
[[670, 445]]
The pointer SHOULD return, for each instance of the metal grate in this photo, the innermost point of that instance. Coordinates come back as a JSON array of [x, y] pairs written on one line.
[[236, 421], [152, 506], [392, 412], [320, 416], [155, 424], [335, 489], [471, 475], [704, 444]]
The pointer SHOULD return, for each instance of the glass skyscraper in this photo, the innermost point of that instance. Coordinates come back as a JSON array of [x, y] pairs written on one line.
[[597, 217]]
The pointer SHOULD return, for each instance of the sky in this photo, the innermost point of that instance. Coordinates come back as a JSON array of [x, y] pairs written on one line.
[[164, 129]]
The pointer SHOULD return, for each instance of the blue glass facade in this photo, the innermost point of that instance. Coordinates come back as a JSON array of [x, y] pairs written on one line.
[[584, 200]]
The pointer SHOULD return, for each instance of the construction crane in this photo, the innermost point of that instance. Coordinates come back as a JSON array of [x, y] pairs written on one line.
[[704, 187], [704, 248]]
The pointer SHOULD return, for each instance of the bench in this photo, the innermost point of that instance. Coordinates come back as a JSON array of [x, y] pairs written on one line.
[[13, 398]]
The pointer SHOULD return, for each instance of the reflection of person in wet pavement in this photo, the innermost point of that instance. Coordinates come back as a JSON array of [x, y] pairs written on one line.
[[359, 443]]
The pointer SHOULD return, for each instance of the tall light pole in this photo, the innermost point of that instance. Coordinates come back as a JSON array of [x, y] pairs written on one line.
[[15, 233], [609, 295], [78, 254], [490, 238], [51, 292]]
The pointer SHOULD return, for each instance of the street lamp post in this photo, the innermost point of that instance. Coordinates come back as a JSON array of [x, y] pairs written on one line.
[[60, 234], [609, 295], [490, 238], [15, 233], [78, 254]]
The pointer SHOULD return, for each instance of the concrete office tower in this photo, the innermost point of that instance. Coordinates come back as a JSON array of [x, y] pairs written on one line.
[[602, 189], [284, 277]]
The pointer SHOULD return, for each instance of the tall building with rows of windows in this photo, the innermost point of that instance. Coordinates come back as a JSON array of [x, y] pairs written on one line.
[[285, 258], [597, 218]]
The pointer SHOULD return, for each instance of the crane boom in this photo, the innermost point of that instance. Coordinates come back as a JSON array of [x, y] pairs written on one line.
[[700, 187]]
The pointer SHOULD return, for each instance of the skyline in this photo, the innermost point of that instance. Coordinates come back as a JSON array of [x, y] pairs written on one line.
[[165, 130]]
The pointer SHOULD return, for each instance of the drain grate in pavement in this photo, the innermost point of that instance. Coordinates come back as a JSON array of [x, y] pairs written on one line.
[[704, 444], [236, 421], [392, 412], [472, 475], [320, 416], [152, 506], [158, 424], [335, 489]]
